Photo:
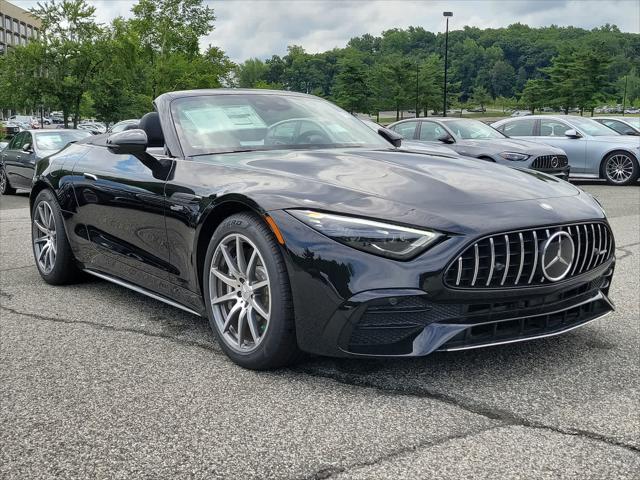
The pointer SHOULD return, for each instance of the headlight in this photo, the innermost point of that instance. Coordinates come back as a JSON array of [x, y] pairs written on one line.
[[384, 239], [516, 157]]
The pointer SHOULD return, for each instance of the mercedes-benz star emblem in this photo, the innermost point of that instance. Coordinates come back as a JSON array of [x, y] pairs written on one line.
[[554, 162], [557, 256]]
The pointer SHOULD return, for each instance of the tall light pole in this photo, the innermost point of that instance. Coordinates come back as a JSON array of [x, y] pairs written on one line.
[[624, 97], [446, 63], [417, 85]]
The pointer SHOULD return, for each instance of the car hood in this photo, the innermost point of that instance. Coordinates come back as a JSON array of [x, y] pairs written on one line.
[[512, 145], [410, 178]]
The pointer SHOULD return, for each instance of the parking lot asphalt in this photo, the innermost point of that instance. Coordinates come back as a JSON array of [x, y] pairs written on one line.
[[100, 382]]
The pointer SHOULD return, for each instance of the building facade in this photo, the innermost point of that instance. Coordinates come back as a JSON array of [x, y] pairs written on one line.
[[17, 26]]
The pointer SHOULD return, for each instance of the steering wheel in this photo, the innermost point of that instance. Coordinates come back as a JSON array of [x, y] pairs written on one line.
[[301, 139]]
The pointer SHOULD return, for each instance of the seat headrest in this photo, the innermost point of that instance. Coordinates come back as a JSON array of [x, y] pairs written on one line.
[[150, 123]]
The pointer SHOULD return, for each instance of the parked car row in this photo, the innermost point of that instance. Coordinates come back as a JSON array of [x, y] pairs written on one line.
[[473, 138]]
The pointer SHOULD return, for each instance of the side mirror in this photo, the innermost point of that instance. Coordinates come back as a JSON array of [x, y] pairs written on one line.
[[129, 141], [445, 138], [571, 133], [390, 136], [27, 148]]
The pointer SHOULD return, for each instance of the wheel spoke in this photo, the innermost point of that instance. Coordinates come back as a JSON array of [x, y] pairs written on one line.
[[235, 309], [242, 264], [252, 263], [50, 257], [225, 298], [233, 269], [42, 253], [253, 325], [40, 240], [258, 308], [225, 278], [49, 214], [240, 329], [259, 285]]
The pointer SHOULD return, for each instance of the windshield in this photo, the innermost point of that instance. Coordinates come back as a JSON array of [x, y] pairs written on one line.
[[251, 122], [591, 127], [635, 121], [472, 130], [54, 141]]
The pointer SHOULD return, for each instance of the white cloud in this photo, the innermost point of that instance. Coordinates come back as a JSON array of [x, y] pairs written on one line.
[[260, 28]]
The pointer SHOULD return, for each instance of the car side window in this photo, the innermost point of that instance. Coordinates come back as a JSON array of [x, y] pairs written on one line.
[[431, 131], [406, 129], [16, 143], [553, 128], [518, 128], [618, 126], [27, 139]]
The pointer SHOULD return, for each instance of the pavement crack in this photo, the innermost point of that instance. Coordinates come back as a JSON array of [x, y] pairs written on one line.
[[15, 268], [101, 326], [505, 417], [330, 471]]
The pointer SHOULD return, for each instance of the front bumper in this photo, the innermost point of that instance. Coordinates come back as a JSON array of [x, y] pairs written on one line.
[[562, 173], [345, 308]]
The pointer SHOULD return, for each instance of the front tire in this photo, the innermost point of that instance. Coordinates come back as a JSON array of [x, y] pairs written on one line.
[[51, 248], [5, 186], [620, 168], [248, 295]]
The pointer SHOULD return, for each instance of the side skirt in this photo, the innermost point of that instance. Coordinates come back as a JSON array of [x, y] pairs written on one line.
[[141, 290]]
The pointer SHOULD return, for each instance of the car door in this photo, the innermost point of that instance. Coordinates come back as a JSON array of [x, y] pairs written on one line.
[[120, 206], [552, 132], [26, 160], [430, 132], [12, 156]]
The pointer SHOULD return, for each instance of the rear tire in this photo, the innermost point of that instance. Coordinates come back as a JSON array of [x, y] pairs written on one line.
[[5, 186], [52, 252], [248, 296], [620, 168]]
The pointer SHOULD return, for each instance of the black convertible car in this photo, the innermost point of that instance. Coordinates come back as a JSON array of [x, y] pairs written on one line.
[[293, 227]]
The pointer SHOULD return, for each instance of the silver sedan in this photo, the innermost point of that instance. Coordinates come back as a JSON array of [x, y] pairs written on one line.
[[594, 151], [622, 125], [472, 138]]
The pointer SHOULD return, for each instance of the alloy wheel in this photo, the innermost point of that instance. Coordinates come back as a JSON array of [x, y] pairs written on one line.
[[240, 293], [3, 181], [45, 238], [619, 168]]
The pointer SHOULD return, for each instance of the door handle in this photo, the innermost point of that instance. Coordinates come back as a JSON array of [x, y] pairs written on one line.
[[18, 157], [90, 176]]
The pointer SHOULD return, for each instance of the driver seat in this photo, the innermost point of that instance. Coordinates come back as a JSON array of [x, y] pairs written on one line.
[[150, 123]]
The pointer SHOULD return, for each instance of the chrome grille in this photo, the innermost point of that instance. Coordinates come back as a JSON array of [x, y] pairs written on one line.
[[513, 259], [546, 162]]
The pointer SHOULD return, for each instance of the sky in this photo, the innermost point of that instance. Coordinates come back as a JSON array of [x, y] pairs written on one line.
[[261, 28]]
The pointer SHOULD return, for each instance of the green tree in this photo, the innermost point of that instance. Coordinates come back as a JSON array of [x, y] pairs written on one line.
[[534, 94], [351, 89], [250, 73], [67, 58], [480, 96]]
